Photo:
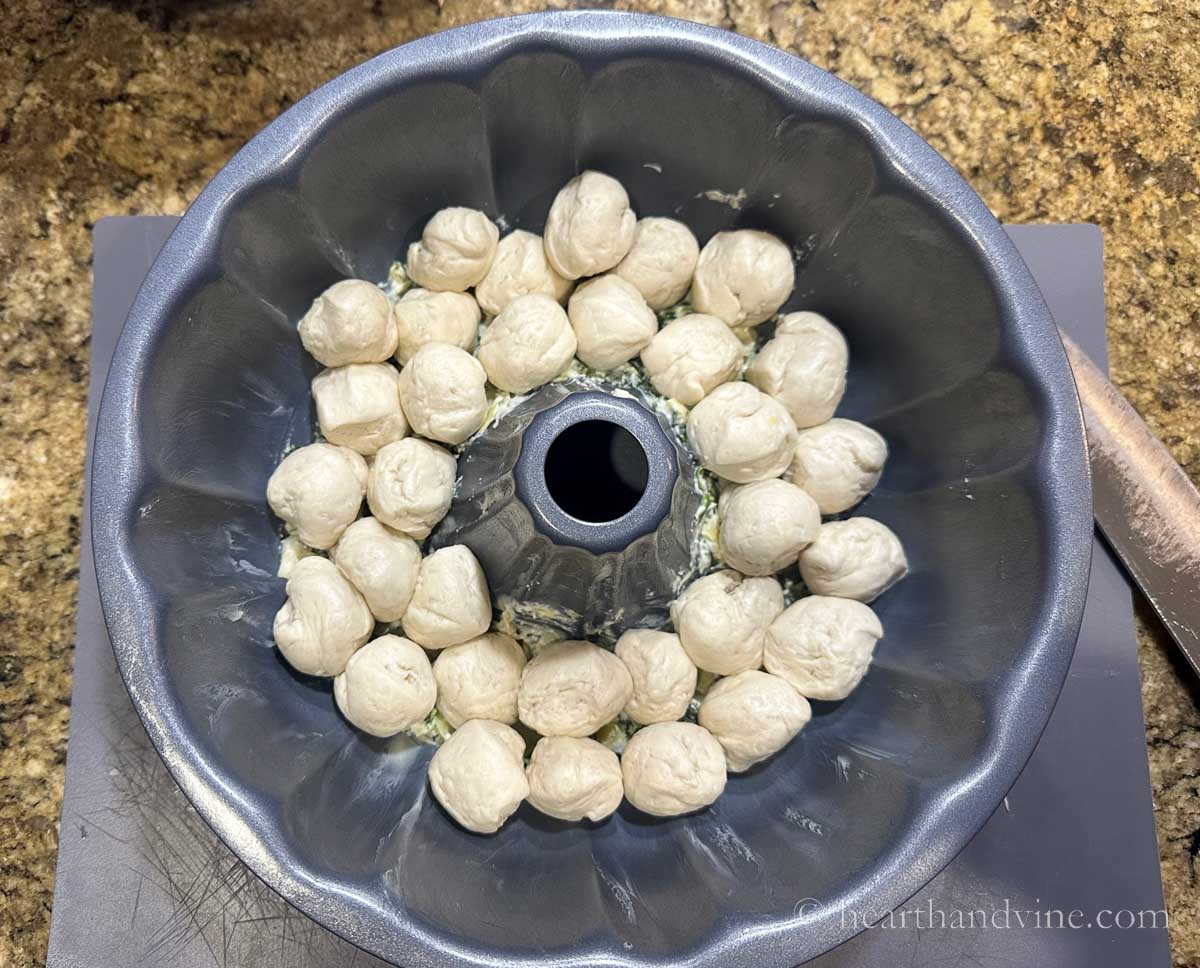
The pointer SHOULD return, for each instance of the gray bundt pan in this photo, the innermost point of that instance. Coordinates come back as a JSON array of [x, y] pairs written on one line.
[[954, 358]]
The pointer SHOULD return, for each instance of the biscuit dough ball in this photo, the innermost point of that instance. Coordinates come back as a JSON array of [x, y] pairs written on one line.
[[690, 356], [857, 558], [478, 775], [528, 344], [410, 486], [381, 564], [387, 686], [451, 602], [455, 252], [479, 679], [443, 393], [838, 463], [423, 316], [741, 434], [752, 715], [324, 620], [664, 678], [358, 406], [317, 491], [722, 620], [765, 525], [520, 269], [661, 261], [803, 366], [350, 322], [590, 226], [743, 277], [672, 768], [571, 778], [822, 646], [611, 321], [572, 688]]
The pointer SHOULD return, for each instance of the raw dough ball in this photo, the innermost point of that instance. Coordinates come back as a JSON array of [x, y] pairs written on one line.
[[590, 226], [443, 392], [572, 689], [317, 490], [856, 558], [611, 321], [455, 251], [451, 602], [741, 434], [528, 344], [690, 356], [765, 525], [387, 686], [822, 646], [478, 775], [661, 261], [479, 679], [672, 768], [573, 778], [358, 406], [743, 277], [350, 322], [664, 678], [752, 715], [803, 367], [838, 463], [410, 486], [324, 620], [424, 316], [381, 564], [722, 620], [520, 269]]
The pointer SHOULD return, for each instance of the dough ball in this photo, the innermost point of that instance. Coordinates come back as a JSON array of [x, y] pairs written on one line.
[[451, 602], [387, 686], [752, 715], [381, 564], [611, 321], [838, 463], [455, 252], [424, 316], [358, 406], [478, 775], [743, 277], [317, 491], [741, 434], [520, 269], [765, 525], [528, 344], [822, 646], [664, 678], [572, 689], [590, 226], [690, 356], [722, 620], [443, 392], [857, 558], [672, 768], [803, 367], [410, 486], [661, 261], [572, 778], [479, 679], [350, 322], [324, 620]]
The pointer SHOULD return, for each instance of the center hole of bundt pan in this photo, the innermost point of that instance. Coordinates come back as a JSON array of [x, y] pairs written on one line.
[[596, 471]]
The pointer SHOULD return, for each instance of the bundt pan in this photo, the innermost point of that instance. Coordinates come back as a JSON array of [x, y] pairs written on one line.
[[954, 359]]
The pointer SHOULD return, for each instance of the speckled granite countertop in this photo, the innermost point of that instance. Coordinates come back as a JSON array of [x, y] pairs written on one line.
[[1061, 111]]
